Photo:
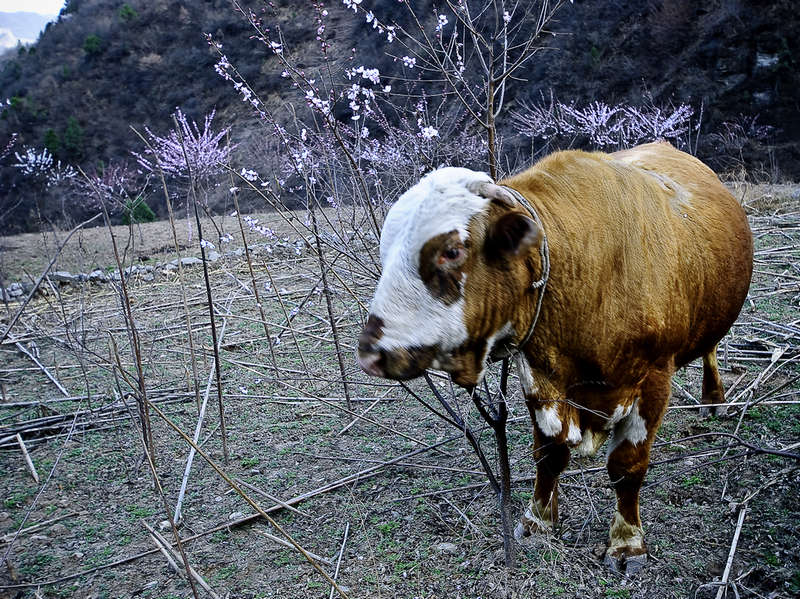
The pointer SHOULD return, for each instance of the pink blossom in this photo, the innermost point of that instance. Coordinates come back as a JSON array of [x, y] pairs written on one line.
[[204, 150]]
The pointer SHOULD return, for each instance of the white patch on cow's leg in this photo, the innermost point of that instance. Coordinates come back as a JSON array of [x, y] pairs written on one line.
[[537, 518], [549, 421], [547, 417], [631, 428], [625, 535], [574, 434], [587, 444], [591, 442], [621, 410], [627, 551]]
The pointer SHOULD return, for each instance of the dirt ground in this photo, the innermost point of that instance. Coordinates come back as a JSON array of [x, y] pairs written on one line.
[[24, 257], [397, 503]]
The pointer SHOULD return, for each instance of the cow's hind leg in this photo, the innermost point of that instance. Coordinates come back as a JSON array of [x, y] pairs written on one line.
[[628, 458], [551, 457], [713, 392]]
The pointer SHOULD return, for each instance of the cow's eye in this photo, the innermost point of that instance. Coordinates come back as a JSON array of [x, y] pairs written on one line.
[[451, 255]]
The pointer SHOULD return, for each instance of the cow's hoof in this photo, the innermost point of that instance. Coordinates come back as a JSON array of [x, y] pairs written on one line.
[[530, 524], [621, 562], [713, 410]]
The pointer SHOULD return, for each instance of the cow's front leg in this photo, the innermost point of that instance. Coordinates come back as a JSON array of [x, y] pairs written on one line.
[[628, 459], [551, 458], [550, 451]]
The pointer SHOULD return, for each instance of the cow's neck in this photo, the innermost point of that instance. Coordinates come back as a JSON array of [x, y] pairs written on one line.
[[539, 285]]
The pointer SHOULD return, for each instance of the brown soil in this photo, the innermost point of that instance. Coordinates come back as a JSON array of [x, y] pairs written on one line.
[[23, 257]]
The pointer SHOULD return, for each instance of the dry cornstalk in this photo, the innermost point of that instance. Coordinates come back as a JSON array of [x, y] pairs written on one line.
[[464, 517], [28, 460], [209, 295], [327, 292], [165, 548], [286, 316], [38, 495], [723, 584], [263, 493], [41, 366], [339, 559], [38, 526], [200, 417], [253, 277], [378, 424], [350, 478], [167, 555], [288, 545], [130, 324], [180, 266]]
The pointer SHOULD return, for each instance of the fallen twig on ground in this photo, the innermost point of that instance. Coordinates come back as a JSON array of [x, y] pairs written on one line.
[[723, 584], [339, 558]]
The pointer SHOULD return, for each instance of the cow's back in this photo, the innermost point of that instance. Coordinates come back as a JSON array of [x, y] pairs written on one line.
[[651, 257], [719, 243]]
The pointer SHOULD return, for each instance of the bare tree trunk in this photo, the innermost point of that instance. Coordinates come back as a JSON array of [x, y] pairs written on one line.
[[495, 413]]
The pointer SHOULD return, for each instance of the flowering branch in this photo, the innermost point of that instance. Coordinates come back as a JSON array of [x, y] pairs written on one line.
[[39, 166], [7, 149], [205, 149], [601, 125]]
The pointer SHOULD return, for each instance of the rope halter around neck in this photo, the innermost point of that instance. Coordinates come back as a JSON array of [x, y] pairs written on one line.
[[506, 349]]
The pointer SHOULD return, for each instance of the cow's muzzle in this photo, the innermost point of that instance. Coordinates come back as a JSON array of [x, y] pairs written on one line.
[[397, 363]]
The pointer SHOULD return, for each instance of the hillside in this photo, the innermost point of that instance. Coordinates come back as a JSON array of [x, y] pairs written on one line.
[[105, 65]]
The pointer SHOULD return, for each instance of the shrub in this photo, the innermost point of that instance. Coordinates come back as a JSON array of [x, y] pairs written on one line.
[[93, 45], [137, 211], [51, 141], [72, 140], [70, 6], [127, 13]]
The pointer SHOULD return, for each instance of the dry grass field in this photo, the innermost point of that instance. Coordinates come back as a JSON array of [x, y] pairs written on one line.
[[390, 498]]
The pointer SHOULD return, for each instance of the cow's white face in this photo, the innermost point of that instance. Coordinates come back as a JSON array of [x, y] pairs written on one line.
[[447, 249]]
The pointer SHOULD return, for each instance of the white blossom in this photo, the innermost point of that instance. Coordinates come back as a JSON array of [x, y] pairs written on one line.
[[429, 132], [249, 175]]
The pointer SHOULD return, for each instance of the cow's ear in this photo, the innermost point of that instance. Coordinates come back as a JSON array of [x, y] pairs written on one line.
[[493, 191], [513, 234]]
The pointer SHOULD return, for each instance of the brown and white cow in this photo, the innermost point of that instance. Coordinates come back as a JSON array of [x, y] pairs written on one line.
[[650, 260]]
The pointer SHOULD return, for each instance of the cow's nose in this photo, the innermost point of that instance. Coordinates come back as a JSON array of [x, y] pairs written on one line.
[[373, 330], [371, 362], [370, 358]]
